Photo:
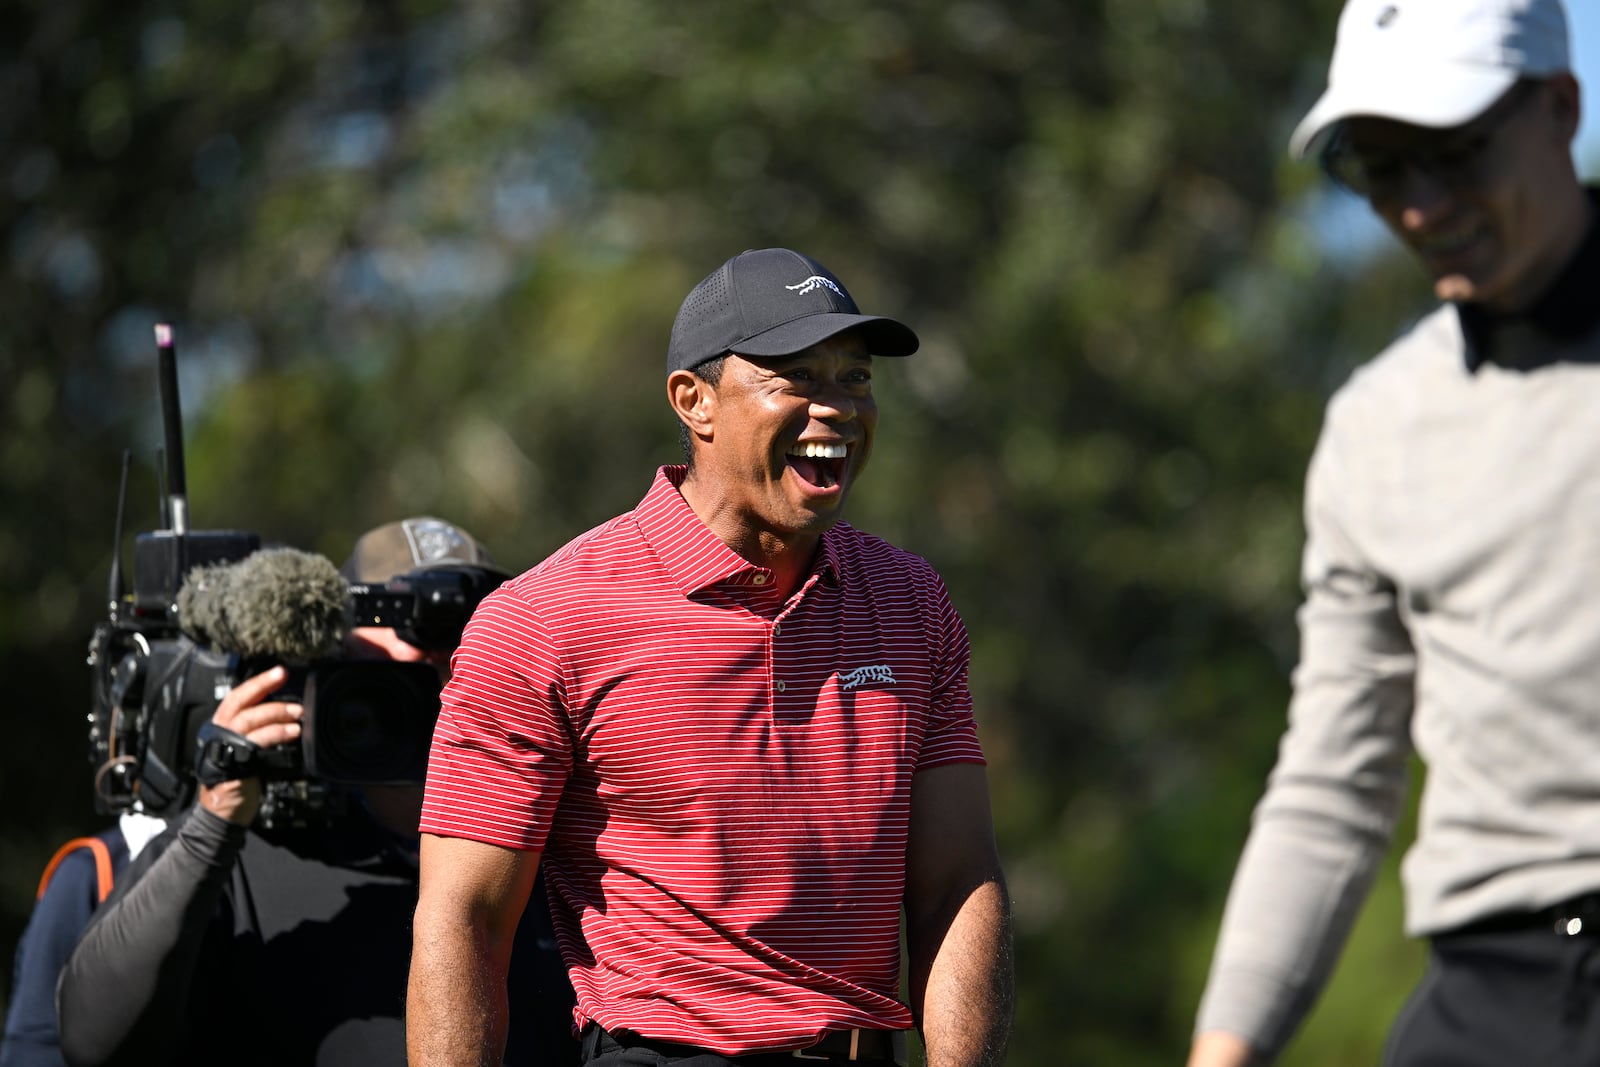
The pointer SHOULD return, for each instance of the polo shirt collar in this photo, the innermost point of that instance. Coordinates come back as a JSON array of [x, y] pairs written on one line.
[[1567, 311], [697, 558]]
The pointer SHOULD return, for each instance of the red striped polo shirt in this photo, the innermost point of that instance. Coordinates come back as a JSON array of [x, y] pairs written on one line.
[[720, 779]]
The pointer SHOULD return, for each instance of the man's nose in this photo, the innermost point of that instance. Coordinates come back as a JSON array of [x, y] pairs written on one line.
[[833, 403], [1422, 198]]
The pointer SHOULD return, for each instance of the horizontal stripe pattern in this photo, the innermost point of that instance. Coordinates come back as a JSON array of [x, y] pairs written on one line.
[[720, 780]]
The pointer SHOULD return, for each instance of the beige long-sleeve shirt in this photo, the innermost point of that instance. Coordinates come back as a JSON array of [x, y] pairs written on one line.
[[1452, 577]]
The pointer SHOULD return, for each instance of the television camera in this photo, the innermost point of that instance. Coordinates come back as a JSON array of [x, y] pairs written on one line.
[[210, 608]]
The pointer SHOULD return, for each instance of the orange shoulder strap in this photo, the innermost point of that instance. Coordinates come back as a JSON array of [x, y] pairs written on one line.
[[102, 865]]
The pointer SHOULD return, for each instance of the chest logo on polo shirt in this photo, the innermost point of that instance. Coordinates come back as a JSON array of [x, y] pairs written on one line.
[[877, 674]]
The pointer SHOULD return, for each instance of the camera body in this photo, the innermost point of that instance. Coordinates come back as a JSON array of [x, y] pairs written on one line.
[[154, 685]]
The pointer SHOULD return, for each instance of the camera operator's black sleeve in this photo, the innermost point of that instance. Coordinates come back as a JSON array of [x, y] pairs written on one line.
[[124, 991]]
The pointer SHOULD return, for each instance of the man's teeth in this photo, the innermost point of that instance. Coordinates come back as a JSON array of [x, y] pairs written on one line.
[[818, 450]]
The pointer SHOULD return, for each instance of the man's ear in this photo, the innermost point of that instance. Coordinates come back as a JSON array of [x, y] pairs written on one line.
[[694, 400], [1567, 105]]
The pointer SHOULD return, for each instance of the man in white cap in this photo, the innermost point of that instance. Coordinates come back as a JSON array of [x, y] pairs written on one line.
[[1451, 568]]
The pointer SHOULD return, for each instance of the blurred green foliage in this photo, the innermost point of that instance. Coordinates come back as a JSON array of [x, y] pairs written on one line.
[[423, 257]]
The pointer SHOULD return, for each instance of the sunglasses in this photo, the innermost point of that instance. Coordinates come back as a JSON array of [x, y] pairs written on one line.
[[1456, 159]]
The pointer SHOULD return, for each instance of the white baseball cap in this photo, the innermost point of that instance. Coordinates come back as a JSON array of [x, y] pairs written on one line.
[[1436, 63]]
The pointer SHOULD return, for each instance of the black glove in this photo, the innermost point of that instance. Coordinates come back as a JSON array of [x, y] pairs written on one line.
[[221, 755]]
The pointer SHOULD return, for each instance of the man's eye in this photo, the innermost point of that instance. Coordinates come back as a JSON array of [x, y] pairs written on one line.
[[1459, 156], [1382, 170]]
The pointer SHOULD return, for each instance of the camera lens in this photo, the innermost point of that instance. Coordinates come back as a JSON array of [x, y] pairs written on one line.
[[351, 731], [369, 722]]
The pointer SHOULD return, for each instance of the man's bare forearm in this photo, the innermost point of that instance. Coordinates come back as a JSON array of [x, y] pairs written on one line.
[[470, 899], [963, 980], [456, 998]]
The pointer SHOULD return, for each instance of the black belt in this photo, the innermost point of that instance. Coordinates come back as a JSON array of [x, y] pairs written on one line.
[[1578, 917], [837, 1046]]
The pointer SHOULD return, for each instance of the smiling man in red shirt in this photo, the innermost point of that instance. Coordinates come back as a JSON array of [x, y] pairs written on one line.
[[736, 733]]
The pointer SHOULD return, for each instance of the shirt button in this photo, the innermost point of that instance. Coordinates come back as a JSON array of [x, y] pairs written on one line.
[[777, 628], [760, 579], [780, 685]]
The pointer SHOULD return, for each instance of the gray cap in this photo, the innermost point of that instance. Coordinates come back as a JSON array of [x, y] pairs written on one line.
[[774, 302], [418, 543]]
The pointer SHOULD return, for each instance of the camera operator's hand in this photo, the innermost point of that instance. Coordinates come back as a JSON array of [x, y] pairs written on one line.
[[245, 710]]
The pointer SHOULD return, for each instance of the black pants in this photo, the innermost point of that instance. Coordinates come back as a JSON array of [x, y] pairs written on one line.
[[1503, 998], [644, 1057], [602, 1049]]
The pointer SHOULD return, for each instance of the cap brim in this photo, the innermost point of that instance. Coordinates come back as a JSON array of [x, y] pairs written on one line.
[[884, 336], [1418, 97]]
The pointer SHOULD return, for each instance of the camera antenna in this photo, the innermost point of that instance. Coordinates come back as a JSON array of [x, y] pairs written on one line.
[[114, 586], [161, 488], [172, 422]]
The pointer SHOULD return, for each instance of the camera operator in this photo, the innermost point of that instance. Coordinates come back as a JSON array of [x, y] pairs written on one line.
[[227, 941]]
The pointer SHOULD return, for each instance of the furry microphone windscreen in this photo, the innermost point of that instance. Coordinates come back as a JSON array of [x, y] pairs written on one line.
[[278, 603]]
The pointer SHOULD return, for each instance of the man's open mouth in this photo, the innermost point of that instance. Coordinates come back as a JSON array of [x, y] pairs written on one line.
[[817, 463]]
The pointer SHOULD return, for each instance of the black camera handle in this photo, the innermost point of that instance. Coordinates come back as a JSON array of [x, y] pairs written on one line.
[[221, 755]]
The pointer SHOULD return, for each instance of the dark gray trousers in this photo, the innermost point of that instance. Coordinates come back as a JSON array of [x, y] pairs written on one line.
[[1504, 997]]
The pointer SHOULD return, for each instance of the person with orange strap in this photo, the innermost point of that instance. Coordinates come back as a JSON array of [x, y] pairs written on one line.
[[75, 882]]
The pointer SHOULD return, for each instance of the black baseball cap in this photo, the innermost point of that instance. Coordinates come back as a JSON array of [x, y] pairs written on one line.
[[774, 302]]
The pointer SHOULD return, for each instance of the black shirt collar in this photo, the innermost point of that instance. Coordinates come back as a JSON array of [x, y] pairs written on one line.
[[1566, 311]]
